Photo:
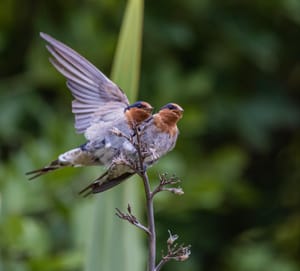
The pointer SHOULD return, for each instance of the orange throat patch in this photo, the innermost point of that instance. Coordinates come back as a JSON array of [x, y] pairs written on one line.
[[166, 122]]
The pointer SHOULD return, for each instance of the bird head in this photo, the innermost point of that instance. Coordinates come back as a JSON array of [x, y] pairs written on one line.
[[171, 113], [138, 112]]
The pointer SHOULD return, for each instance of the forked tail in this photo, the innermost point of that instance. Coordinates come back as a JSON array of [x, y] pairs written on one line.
[[104, 182], [56, 164], [76, 157]]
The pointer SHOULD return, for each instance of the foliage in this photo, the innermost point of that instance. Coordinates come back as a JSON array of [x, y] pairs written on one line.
[[234, 68]]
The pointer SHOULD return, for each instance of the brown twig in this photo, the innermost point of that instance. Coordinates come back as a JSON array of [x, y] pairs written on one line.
[[176, 253], [164, 181], [131, 218]]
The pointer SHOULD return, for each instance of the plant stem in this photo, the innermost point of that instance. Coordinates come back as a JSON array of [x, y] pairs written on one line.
[[160, 264], [151, 224], [150, 208]]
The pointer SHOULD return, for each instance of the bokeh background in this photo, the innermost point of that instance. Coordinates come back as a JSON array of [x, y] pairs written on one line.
[[235, 68]]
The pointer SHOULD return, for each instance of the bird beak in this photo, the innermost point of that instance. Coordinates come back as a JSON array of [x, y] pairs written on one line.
[[150, 109], [180, 109]]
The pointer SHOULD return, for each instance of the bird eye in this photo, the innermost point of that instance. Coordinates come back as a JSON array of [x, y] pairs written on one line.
[[138, 105], [172, 106]]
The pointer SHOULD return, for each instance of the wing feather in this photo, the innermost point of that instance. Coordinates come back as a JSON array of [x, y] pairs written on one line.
[[96, 98], [60, 61], [77, 89]]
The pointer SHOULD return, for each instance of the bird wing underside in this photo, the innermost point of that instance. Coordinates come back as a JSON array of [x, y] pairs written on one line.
[[91, 89]]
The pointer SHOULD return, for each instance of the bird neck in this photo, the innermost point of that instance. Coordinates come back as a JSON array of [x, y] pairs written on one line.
[[166, 122], [136, 116]]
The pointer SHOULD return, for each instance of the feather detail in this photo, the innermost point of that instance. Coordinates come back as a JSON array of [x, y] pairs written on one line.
[[165, 123], [89, 86], [117, 173], [136, 116]]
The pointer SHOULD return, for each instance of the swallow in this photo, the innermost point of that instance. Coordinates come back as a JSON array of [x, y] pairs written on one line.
[[99, 106], [158, 136]]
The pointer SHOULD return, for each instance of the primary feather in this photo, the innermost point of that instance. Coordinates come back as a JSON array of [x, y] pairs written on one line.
[[95, 96]]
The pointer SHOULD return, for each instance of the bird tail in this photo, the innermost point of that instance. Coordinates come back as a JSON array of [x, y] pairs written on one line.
[[104, 182], [56, 164], [75, 157]]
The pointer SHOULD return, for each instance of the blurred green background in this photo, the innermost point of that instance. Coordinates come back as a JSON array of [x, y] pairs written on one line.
[[234, 66]]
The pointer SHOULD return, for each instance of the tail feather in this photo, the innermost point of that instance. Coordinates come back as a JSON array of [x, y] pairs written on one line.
[[74, 157], [103, 183], [56, 164]]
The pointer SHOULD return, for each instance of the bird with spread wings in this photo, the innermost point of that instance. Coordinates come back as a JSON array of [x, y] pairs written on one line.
[[99, 106]]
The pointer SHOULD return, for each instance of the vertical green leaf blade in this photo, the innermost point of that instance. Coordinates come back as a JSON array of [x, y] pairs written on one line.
[[126, 67], [114, 244]]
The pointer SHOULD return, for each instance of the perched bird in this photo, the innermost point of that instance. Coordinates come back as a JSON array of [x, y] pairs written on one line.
[[99, 105], [158, 136]]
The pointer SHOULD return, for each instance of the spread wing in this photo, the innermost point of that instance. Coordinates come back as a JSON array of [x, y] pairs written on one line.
[[95, 96]]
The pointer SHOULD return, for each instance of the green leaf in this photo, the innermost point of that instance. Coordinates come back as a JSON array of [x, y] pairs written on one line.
[[126, 67], [114, 244]]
